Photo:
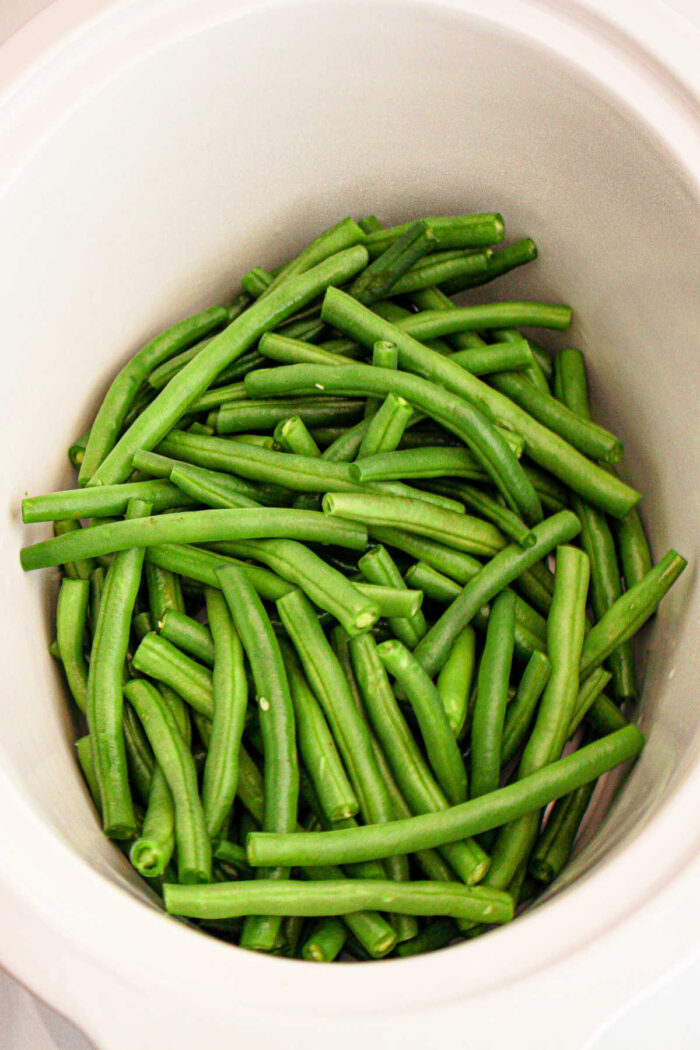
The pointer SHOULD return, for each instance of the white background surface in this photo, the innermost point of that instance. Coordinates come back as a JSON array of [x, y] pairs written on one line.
[[668, 1015]]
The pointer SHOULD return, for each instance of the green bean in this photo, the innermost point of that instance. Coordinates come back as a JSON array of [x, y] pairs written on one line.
[[498, 573], [377, 280], [97, 583], [437, 269], [142, 624], [306, 330], [78, 568], [449, 231], [111, 414], [163, 466], [231, 854], [104, 690], [501, 262], [187, 634], [565, 633], [386, 426], [486, 443], [230, 692], [378, 567], [438, 934], [139, 755], [521, 710], [238, 369], [461, 531], [548, 450], [454, 680], [276, 716], [488, 360], [605, 717], [237, 416], [164, 591], [288, 351], [84, 749], [589, 690], [317, 747], [345, 447], [200, 526], [414, 778], [162, 375], [370, 224], [532, 371], [175, 760], [326, 940], [218, 396], [477, 815], [185, 387], [554, 845], [293, 436], [340, 897], [160, 660], [200, 565], [490, 509], [76, 451], [416, 464], [152, 851], [633, 548], [492, 696], [443, 753], [71, 621], [344, 234], [330, 686], [209, 487], [629, 612], [256, 281], [453, 563], [107, 501]]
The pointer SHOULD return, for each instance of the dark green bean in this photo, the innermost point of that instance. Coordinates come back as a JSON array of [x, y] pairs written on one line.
[[498, 573], [175, 760], [469, 818], [71, 622], [199, 526], [111, 414], [185, 387], [501, 262], [633, 548], [521, 710], [490, 509], [589, 690], [238, 416], [377, 280], [492, 696], [84, 749], [438, 934], [76, 452], [448, 231], [288, 351], [554, 845], [256, 281], [104, 692], [437, 269]]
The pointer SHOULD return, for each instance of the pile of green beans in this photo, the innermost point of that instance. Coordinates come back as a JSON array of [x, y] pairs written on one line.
[[344, 576]]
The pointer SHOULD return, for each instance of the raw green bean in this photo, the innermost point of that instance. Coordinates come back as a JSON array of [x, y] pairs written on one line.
[[453, 563], [589, 690], [200, 565], [238, 416], [521, 710], [415, 463], [447, 231], [160, 660], [548, 450], [488, 360], [461, 531], [477, 815], [84, 749], [142, 624], [437, 269], [276, 715], [378, 567], [554, 845], [71, 622], [164, 591], [326, 940], [317, 747], [498, 573], [104, 502], [533, 372], [487, 443], [77, 568], [438, 934], [77, 450], [209, 487], [175, 760], [200, 526], [256, 281], [490, 509], [163, 466], [455, 678], [377, 281], [288, 351], [218, 396], [629, 612], [492, 696], [185, 387], [139, 755], [604, 716], [432, 324], [187, 634], [414, 778], [339, 897], [230, 692], [565, 633], [97, 584], [111, 414], [633, 548], [443, 753], [162, 375], [386, 426], [501, 262], [104, 692], [293, 436]]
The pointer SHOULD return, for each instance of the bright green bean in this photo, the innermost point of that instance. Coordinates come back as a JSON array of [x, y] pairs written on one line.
[[492, 696], [185, 387], [287, 351], [71, 622], [160, 660], [78, 568], [490, 509], [209, 487], [437, 270], [105, 502], [589, 691], [187, 634], [162, 466], [111, 414], [386, 426], [521, 710], [501, 262], [236, 417], [325, 942], [378, 567], [293, 436], [164, 591], [470, 818], [416, 463], [455, 678], [344, 234]]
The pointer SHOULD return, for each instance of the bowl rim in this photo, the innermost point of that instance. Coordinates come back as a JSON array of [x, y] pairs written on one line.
[[61, 53]]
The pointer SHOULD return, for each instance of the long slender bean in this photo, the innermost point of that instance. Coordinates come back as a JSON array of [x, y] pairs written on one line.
[[185, 387], [490, 509], [209, 487], [187, 634], [416, 463], [344, 234], [492, 696], [104, 502], [386, 427], [71, 622], [377, 280], [111, 414], [501, 262], [288, 351], [160, 660], [455, 678], [469, 818], [554, 846], [293, 436], [378, 567], [104, 690], [521, 710], [164, 591], [447, 231], [325, 942], [237, 417]]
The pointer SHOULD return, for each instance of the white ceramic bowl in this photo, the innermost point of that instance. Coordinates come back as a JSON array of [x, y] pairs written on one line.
[[154, 151]]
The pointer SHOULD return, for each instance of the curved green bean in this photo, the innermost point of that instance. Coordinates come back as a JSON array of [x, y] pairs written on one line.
[[490, 509], [71, 623], [209, 487], [160, 660]]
